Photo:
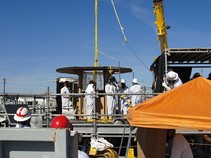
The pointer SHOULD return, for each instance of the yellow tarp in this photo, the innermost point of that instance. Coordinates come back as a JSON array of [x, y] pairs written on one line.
[[185, 107]]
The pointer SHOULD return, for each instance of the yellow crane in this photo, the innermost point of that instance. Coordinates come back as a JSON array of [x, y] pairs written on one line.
[[160, 23]]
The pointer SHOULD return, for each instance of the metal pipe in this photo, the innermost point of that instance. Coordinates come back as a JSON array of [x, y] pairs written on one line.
[[96, 34], [128, 143], [48, 104], [95, 116]]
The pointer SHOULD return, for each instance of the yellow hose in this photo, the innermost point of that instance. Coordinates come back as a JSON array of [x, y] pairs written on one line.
[[112, 153], [108, 153]]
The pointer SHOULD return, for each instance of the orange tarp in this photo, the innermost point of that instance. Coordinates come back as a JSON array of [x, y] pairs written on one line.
[[185, 107]]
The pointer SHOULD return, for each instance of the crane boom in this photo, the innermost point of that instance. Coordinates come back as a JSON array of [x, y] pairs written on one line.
[[160, 23]]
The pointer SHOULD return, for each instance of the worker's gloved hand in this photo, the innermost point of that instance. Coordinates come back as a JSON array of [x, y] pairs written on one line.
[[129, 102], [98, 145], [207, 138], [165, 86], [102, 140], [122, 96]]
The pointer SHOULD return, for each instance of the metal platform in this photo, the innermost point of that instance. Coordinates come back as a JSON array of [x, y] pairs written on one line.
[[186, 56]]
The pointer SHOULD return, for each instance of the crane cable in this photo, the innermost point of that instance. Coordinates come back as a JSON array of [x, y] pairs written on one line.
[[125, 39], [120, 25]]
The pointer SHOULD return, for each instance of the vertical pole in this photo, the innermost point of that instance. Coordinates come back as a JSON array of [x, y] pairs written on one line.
[[96, 34], [166, 64], [128, 141], [4, 92], [133, 74], [4, 81], [96, 64], [48, 103], [202, 72], [95, 119], [34, 103], [4, 89], [119, 71]]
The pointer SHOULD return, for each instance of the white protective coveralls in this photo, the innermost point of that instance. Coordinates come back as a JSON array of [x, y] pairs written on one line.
[[111, 101], [90, 99], [171, 81], [67, 107], [123, 98], [135, 88]]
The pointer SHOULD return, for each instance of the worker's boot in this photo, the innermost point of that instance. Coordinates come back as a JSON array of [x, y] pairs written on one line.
[[90, 120], [110, 118]]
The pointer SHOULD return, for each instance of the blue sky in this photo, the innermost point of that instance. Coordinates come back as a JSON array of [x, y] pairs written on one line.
[[39, 36]]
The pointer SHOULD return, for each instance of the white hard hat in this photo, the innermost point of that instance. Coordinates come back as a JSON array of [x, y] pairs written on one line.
[[135, 80], [171, 75], [123, 81], [22, 114]]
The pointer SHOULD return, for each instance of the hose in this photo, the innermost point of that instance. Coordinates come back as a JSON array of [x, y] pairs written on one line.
[[108, 153], [112, 153]]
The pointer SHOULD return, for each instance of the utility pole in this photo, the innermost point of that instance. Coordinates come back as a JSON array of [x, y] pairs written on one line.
[[4, 81]]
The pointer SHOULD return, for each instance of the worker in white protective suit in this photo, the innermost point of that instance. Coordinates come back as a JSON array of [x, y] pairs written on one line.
[[171, 80], [90, 100], [135, 88], [124, 103], [67, 106], [111, 88]]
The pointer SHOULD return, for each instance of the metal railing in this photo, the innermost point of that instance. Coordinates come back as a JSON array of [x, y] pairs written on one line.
[[45, 108], [91, 129]]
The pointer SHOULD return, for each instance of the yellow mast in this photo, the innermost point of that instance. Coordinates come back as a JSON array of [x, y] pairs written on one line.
[[160, 23], [96, 34]]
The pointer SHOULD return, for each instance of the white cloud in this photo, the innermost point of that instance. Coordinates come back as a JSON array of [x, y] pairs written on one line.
[[143, 14]]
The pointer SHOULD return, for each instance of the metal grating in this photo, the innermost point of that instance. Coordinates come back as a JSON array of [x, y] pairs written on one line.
[[189, 56]]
